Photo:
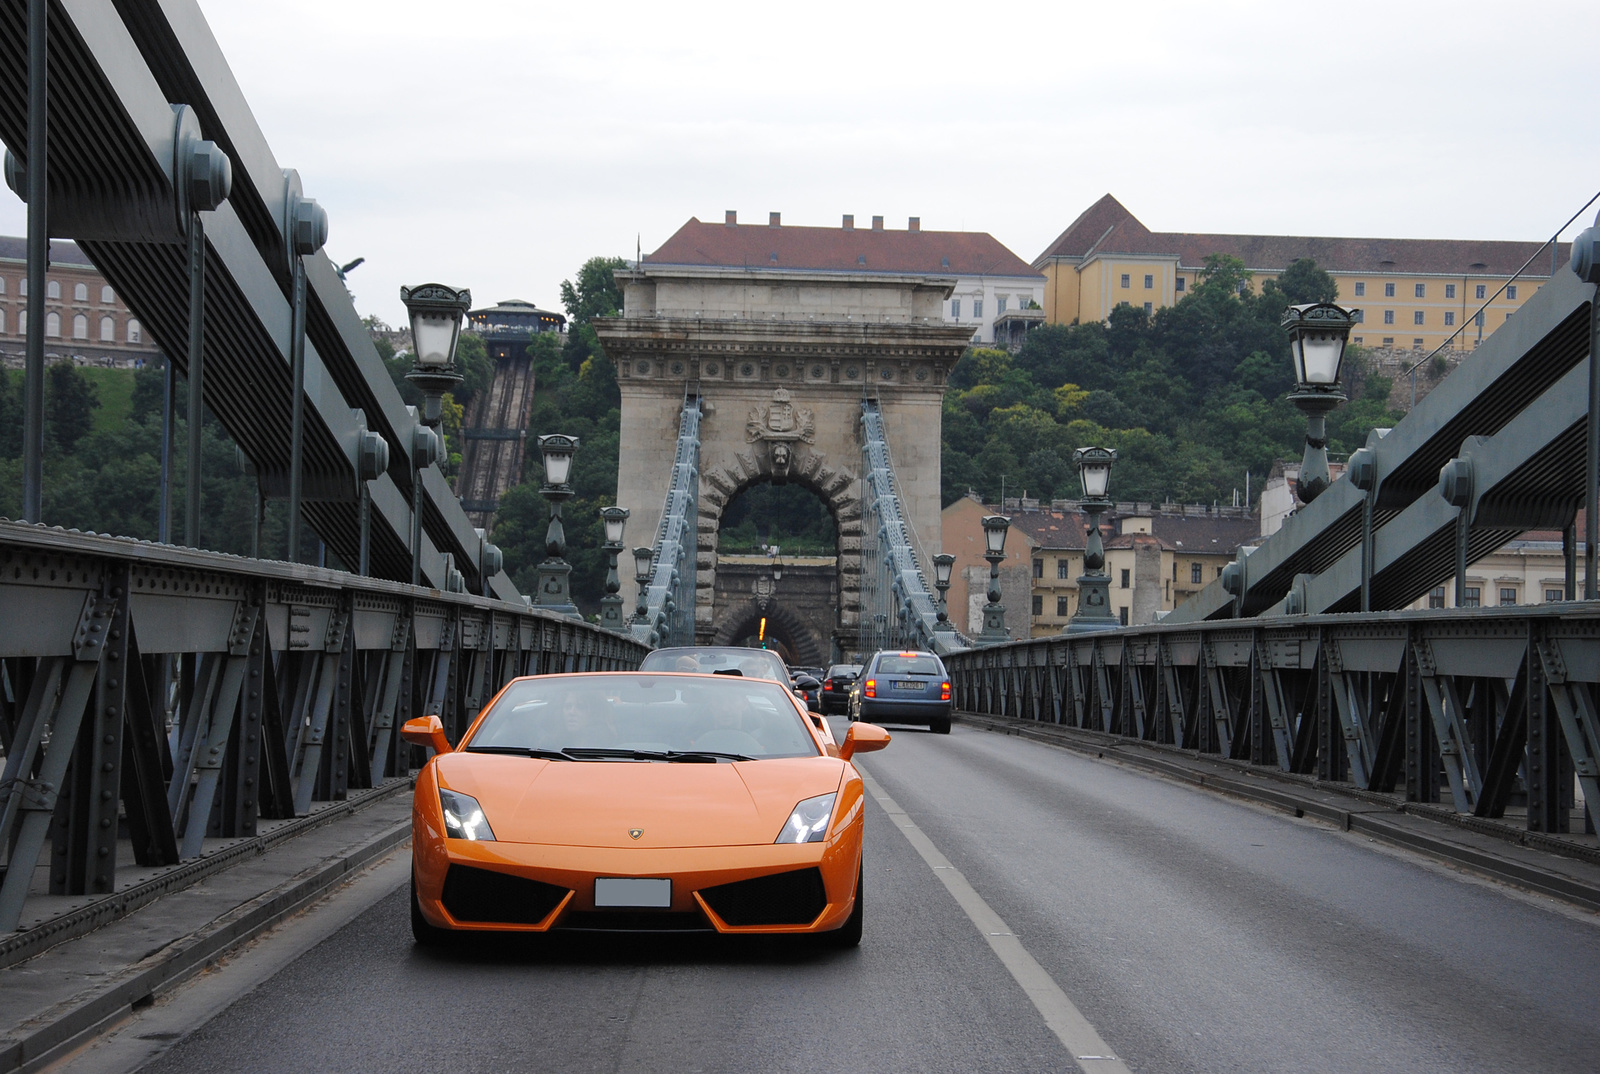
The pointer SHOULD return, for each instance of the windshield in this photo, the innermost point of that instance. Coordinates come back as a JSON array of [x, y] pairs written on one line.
[[844, 671], [908, 665], [635, 713], [750, 663]]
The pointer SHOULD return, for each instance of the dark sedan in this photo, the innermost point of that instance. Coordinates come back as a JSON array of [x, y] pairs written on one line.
[[836, 688], [904, 687]]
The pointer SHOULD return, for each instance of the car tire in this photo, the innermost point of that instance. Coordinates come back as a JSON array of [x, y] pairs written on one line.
[[849, 934], [940, 725], [425, 934]]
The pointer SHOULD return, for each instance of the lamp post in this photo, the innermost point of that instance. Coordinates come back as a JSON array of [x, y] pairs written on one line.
[[994, 544], [943, 563], [643, 560], [1094, 585], [1318, 332], [436, 312], [614, 519], [767, 584], [553, 590]]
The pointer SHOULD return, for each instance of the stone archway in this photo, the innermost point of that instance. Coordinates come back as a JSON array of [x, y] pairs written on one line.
[[837, 489], [804, 645]]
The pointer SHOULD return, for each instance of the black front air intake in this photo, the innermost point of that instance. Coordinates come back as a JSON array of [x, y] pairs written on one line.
[[481, 895], [781, 899]]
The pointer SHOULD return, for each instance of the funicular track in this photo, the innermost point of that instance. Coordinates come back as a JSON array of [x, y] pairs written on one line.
[[495, 438]]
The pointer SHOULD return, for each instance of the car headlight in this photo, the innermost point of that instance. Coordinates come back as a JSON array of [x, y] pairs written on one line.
[[463, 816], [809, 821]]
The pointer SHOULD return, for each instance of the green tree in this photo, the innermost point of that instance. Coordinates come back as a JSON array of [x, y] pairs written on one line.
[[69, 405]]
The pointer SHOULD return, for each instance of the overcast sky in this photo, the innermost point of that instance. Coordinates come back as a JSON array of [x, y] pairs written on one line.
[[497, 145]]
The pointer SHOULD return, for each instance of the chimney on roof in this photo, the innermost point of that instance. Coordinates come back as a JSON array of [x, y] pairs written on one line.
[[877, 223], [731, 218], [774, 219], [914, 224], [849, 222]]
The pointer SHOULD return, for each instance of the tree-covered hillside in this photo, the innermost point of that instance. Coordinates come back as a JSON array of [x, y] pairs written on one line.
[[1191, 398]]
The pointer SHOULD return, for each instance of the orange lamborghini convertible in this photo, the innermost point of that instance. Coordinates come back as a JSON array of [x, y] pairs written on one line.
[[639, 801]]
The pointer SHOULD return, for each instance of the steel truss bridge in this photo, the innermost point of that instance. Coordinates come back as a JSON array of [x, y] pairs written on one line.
[[178, 694]]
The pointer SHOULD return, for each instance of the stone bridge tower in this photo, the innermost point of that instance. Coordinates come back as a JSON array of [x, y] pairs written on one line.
[[782, 332]]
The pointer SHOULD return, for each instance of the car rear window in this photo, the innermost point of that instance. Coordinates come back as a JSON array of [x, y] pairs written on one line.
[[750, 663], [908, 665]]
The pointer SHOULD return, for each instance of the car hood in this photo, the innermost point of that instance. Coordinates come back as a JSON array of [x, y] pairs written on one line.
[[600, 803]]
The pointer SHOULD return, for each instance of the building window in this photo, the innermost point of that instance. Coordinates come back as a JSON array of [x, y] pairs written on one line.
[[108, 330], [1038, 568], [80, 292], [1436, 597], [1149, 281], [1062, 565], [1511, 291], [52, 324], [1358, 340], [1416, 318], [1219, 572], [1388, 316], [1449, 290], [52, 289], [1388, 290], [2, 285], [1551, 596], [1361, 288], [1422, 290], [1480, 292], [1179, 286], [1122, 615], [1359, 315], [1388, 341], [955, 308], [1149, 309], [1125, 578], [1000, 305], [1473, 596], [2, 322], [22, 322], [1061, 606], [1508, 596], [1416, 344], [80, 327], [107, 296], [1038, 605], [977, 308], [1127, 280], [1194, 574], [1449, 318], [134, 332]]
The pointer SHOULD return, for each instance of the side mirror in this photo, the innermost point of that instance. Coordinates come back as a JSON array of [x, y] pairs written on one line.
[[426, 731], [806, 682], [862, 738]]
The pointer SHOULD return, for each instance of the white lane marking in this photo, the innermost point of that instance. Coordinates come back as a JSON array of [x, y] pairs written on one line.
[[1069, 1025]]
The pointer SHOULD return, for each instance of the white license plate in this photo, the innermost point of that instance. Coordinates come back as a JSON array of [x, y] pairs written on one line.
[[627, 891], [909, 685]]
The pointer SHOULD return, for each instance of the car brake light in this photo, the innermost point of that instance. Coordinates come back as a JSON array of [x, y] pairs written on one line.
[[871, 689], [944, 691]]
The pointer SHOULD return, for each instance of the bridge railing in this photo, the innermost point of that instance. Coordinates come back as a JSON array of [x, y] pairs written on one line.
[[1486, 709], [186, 694]]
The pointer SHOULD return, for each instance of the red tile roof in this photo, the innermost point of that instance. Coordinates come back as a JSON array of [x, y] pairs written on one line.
[[1106, 227], [831, 249]]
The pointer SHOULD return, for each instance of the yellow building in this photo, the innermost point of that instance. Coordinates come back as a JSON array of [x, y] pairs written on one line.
[[1412, 294]]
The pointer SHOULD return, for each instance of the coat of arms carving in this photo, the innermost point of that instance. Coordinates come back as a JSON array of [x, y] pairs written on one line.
[[781, 421]]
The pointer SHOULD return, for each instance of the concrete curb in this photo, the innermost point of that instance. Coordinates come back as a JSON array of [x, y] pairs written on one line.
[[61, 1029], [1353, 811], [24, 945]]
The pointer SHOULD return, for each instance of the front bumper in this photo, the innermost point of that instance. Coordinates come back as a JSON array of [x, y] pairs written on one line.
[[692, 870]]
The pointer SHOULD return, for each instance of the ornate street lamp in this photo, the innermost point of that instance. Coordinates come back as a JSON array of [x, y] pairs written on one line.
[[614, 519], [1094, 585], [643, 560], [436, 312], [994, 544], [1318, 332], [553, 591], [767, 584], [943, 563]]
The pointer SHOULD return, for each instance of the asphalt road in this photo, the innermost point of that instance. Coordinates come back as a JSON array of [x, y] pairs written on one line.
[[1195, 934]]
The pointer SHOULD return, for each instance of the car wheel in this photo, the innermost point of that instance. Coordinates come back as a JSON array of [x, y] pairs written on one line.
[[425, 934], [940, 725], [849, 934]]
